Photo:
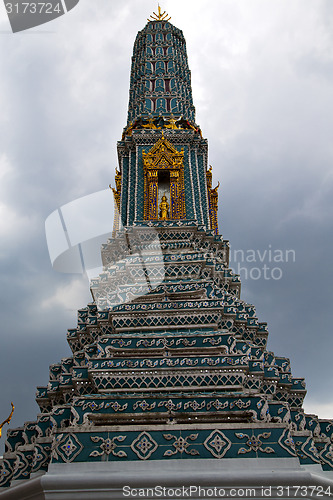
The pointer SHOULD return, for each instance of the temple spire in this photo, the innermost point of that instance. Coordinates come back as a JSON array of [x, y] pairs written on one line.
[[163, 178]]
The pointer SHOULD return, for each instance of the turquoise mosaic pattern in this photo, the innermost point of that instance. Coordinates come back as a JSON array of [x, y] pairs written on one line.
[[161, 445]]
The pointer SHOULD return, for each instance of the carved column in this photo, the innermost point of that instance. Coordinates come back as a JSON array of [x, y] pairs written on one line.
[[152, 194], [174, 194]]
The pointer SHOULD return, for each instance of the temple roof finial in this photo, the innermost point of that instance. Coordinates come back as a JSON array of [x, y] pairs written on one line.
[[161, 16]]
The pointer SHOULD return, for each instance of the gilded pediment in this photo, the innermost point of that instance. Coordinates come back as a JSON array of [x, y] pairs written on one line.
[[163, 155]]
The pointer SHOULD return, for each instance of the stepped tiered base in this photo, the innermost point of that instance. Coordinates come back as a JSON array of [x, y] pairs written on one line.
[[170, 384]]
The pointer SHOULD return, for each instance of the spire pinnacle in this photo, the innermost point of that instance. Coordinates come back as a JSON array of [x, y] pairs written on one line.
[[161, 16]]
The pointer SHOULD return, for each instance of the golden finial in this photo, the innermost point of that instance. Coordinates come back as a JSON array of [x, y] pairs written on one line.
[[161, 16], [7, 419]]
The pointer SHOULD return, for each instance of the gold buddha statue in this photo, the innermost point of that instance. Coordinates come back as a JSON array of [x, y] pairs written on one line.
[[164, 208]]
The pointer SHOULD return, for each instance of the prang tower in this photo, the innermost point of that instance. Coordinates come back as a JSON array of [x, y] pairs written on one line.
[[170, 382]]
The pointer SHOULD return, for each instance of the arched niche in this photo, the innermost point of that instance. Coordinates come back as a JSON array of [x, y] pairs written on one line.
[[160, 68], [174, 105], [171, 67], [163, 175], [149, 68], [159, 85], [160, 105], [173, 84], [149, 105]]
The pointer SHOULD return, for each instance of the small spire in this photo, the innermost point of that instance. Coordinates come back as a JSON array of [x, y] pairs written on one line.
[[161, 16]]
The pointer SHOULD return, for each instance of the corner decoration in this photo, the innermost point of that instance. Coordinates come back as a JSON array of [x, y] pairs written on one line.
[[116, 194], [163, 181], [213, 201], [7, 419]]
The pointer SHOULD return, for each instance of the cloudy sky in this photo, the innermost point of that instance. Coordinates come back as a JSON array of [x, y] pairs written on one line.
[[262, 86]]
